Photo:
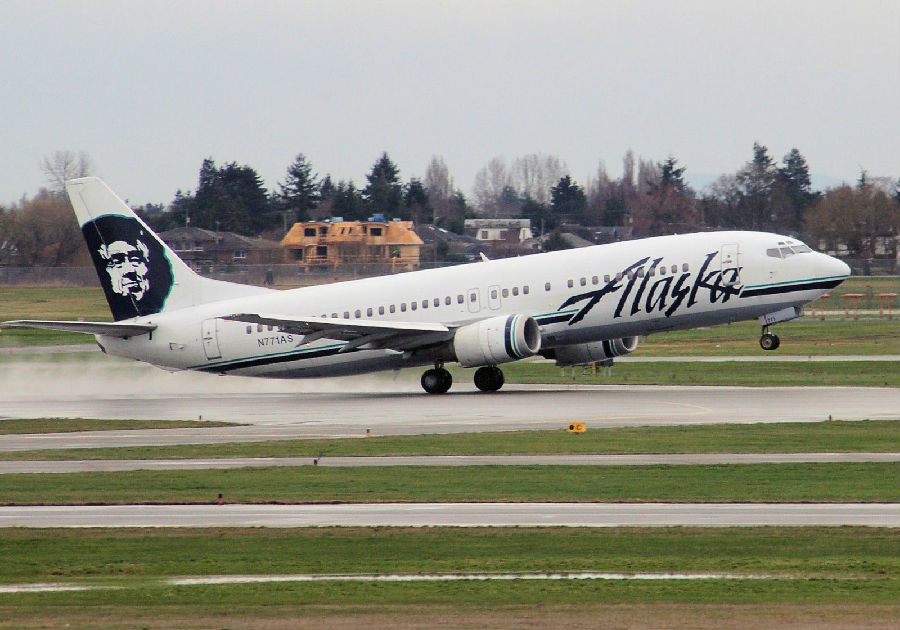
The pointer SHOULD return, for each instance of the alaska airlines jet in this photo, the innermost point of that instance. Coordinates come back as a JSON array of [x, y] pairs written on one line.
[[576, 306]]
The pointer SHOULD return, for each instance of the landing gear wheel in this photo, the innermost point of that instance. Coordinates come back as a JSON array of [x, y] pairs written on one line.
[[437, 381], [769, 341], [489, 378]]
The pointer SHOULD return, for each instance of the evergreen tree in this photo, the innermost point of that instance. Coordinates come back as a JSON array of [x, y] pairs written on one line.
[[231, 198], [383, 193], [796, 186], [417, 203], [300, 193], [568, 200]]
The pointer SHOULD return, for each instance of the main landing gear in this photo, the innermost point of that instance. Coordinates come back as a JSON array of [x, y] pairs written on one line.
[[768, 340], [438, 380]]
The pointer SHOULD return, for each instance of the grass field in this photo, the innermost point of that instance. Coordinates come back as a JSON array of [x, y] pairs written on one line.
[[830, 575], [807, 482], [780, 437]]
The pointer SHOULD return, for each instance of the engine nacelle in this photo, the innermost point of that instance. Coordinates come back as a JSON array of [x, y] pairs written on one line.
[[497, 340], [596, 352]]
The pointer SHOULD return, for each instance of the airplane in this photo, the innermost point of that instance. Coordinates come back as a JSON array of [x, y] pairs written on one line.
[[576, 306]]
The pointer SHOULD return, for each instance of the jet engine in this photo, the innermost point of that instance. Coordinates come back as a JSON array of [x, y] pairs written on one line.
[[596, 352], [497, 340]]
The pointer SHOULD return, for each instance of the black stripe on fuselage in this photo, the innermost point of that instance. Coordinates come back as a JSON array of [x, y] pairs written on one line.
[[285, 358], [553, 319], [790, 288]]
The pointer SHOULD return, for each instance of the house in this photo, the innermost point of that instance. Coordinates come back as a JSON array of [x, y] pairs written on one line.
[[506, 230], [337, 242], [199, 247]]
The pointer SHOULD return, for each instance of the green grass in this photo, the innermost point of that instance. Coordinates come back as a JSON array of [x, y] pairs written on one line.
[[801, 337], [50, 303], [55, 554], [812, 482], [846, 566], [786, 437], [10, 426], [748, 374]]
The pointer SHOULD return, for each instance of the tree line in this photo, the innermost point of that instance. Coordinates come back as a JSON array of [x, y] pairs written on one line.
[[650, 198]]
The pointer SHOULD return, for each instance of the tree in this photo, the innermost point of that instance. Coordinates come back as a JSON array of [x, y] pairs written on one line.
[[795, 188], [568, 200], [533, 175], [862, 220], [62, 166], [756, 182], [491, 184], [668, 206], [299, 194], [42, 231], [439, 186], [417, 202], [230, 198], [383, 193], [556, 241], [543, 218]]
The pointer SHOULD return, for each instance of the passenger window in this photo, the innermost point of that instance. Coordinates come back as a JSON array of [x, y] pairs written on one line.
[[571, 284], [259, 328], [424, 303], [584, 282], [493, 294], [334, 315], [437, 302], [674, 268], [473, 297], [505, 293], [346, 314], [640, 272], [652, 271], [403, 307], [595, 280], [249, 329], [413, 305], [606, 278], [546, 286], [368, 312], [525, 289], [631, 275], [393, 309], [381, 310], [460, 299], [447, 300], [685, 267], [515, 290], [662, 271], [357, 314]]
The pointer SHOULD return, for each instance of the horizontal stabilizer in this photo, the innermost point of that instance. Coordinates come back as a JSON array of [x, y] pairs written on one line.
[[110, 329]]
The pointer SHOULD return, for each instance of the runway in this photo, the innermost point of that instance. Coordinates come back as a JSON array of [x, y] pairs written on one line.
[[670, 459], [388, 408], [457, 515]]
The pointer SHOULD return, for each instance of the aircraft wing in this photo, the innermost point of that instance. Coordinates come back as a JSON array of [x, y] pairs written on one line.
[[111, 329], [375, 333]]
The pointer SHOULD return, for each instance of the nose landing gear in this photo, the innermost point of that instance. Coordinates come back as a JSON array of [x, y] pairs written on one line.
[[769, 341]]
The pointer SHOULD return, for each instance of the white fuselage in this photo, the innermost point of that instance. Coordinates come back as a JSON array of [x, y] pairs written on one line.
[[576, 296]]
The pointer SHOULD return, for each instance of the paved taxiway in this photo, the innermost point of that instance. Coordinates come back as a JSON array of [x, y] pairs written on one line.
[[457, 515], [118, 465]]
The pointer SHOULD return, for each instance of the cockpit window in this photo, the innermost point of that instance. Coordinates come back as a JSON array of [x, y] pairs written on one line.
[[786, 249]]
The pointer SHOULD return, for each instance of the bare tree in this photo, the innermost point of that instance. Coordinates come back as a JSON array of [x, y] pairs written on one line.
[[490, 183], [43, 231], [439, 186], [65, 165], [535, 174]]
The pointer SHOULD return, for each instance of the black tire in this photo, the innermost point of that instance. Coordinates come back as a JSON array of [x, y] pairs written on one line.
[[769, 342], [489, 378], [437, 381]]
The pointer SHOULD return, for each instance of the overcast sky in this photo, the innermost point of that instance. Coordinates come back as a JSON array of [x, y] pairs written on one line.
[[149, 89]]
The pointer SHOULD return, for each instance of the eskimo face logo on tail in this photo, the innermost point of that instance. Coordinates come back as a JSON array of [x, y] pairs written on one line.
[[131, 264]]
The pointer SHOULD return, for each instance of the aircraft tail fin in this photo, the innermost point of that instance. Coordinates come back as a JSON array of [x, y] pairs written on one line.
[[139, 272]]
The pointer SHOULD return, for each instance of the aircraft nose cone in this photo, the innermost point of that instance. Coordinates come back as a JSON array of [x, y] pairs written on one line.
[[831, 267]]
